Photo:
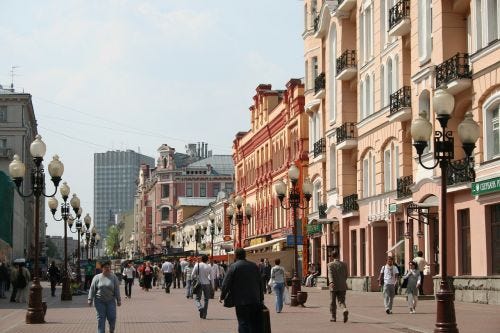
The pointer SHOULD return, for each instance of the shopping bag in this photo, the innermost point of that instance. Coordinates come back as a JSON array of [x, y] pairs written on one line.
[[286, 296]]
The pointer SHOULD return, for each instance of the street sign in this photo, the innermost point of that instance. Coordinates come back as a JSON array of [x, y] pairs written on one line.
[[486, 186], [393, 208], [290, 240]]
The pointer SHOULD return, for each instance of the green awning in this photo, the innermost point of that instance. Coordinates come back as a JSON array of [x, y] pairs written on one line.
[[6, 207]]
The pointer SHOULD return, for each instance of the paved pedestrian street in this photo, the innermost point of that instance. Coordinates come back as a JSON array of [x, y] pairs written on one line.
[[156, 311]]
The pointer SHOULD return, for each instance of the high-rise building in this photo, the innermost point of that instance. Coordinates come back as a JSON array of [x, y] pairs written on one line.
[[115, 175]]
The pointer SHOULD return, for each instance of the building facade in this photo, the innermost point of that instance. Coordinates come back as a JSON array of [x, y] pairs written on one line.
[[278, 138], [18, 129], [371, 68], [115, 175]]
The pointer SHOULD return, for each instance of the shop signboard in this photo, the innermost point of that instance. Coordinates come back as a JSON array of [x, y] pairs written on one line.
[[290, 240], [486, 186], [313, 229]]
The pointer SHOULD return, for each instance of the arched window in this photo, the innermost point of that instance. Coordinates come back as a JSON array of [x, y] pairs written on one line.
[[332, 77], [362, 105], [395, 70], [333, 167], [316, 195], [367, 95], [383, 93], [492, 127], [391, 166], [368, 169], [389, 76]]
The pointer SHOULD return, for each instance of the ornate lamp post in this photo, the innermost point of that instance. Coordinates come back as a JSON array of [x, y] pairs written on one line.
[[468, 131], [17, 170], [238, 216], [65, 216], [294, 199], [198, 233], [79, 231], [211, 225]]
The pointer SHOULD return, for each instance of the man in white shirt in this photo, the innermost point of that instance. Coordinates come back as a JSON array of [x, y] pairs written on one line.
[[202, 272], [388, 276], [421, 263], [184, 264], [167, 268]]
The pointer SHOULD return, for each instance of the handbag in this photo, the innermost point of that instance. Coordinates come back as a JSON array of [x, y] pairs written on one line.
[[228, 300], [195, 284], [271, 283]]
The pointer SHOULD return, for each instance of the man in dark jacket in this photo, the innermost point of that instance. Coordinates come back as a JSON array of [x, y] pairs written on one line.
[[243, 282], [54, 276]]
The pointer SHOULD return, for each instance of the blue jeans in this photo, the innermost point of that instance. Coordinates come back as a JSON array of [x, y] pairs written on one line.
[[105, 310], [188, 289], [278, 291]]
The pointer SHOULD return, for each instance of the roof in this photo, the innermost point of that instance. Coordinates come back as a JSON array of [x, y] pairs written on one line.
[[221, 164], [194, 201]]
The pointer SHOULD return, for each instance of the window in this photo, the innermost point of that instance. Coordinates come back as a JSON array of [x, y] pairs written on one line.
[[492, 20], [3, 114], [391, 167], [308, 85], [314, 130], [165, 190], [354, 254], [215, 189], [333, 168], [487, 28], [3, 143], [332, 77], [366, 29], [203, 190], [424, 30], [383, 94], [314, 70], [464, 225], [368, 175], [316, 195], [492, 126], [165, 213], [189, 190], [495, 239], [362, 240]]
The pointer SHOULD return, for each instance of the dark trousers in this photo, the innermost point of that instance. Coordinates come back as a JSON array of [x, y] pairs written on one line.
[[128, 287], [337, 296], [13, 294], [168, 281], [53, 283], [250, 318], [88, 281], [421, 288], [177, 280]]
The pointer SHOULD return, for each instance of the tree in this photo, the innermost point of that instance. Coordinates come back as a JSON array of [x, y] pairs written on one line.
[[113, 241], [52, 251]]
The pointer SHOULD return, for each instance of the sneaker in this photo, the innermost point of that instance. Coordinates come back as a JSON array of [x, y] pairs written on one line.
[[346, 316], [388, 311], [333, 319], [414, 311]]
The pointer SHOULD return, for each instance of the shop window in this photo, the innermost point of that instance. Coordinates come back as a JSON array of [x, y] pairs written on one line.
[[495, 239], [464, 224], [354, 254]]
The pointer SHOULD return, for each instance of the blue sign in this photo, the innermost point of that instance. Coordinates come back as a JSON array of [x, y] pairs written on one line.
[[290, 240]]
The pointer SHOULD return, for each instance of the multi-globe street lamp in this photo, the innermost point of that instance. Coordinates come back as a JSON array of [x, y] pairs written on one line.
[[65, 216], [211, 225], [17, 170], [294, 200], [237, 214], [94, 242], [79, 232], [443, 104], [198, 233]]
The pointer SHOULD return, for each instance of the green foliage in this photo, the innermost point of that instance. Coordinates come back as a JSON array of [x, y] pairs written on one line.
[[113, 241], [52, 251]]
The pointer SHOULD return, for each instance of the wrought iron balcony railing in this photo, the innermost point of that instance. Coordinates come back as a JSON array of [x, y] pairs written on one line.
[[457, 67], [319, 147], [403, 186], [464, 174], [345, 132], [346, 60], [400, 99], [319, 83], [399, 12], [350, 204]]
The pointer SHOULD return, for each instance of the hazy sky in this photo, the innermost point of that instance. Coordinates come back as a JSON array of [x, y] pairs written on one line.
[[130, 74]]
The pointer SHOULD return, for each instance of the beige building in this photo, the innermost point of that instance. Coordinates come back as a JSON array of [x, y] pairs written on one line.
[[371, 68]]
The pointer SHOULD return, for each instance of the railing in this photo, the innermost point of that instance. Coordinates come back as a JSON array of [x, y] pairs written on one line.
[[457, 67], [5, 152], [319, 83], [322, 207], [345, 131], [397, 13], [346, 60], [319, 147], [403, 186], [465, 173], [350, 204], [400, 99]]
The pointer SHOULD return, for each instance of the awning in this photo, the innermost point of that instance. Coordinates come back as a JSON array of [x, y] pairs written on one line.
[[431, 201], [324, 221], [396, 246], [265, 244]]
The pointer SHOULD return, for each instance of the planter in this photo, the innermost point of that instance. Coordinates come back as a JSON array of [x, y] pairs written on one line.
[[301, 297]]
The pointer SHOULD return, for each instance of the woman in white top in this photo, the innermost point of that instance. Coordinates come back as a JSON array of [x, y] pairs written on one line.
[[128, 276], [278, 283]]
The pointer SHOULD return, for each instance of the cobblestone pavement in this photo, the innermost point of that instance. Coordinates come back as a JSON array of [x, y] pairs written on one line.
[[156, 311]]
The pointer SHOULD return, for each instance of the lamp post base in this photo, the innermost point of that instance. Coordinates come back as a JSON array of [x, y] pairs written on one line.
[[36, 313], [295, 289], [66, 290], [445, 315]]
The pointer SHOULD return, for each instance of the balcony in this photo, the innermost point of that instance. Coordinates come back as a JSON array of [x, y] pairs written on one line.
[[346, 65], [465, 174], [319, 147], [346, 136], [399, 18], [6, 153], [400, 105], [319, 86], [403, 187], [344, 8], [350, 204], [455, 73]]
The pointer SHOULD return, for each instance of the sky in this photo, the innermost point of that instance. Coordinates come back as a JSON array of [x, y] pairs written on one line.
[[131, 74]]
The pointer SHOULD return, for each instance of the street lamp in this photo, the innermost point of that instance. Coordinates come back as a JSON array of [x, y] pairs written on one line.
[[238, 215], [17, 169], [198, 233], [294, 199], [211, 217], [79, 228], [65, 216], [468, 131]]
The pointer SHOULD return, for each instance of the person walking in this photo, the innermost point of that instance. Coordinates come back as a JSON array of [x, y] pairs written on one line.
[[202, 272], [244, 285], [177, 274], [184, 264], [187, 272], [214, 275], [267, 275], [421, 263], [13, 275], [277, 277], [159, 277], [128, 276], [89, 274], [412, 285], [22, 281], [54, 275], [388, 277], [4, 278], [337, 277], [147, 274], [155, 274], [104, 292], [167, 268]]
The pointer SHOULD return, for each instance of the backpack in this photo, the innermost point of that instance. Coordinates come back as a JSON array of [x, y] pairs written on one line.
[[21, 282]]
